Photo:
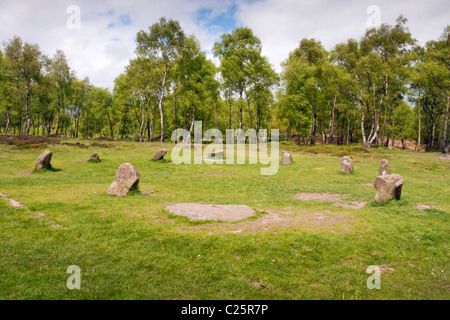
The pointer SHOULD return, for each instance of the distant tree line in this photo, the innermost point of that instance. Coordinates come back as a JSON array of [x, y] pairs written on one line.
[[382, 88]]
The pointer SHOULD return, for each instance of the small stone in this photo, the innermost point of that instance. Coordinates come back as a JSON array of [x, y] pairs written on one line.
[[216, 154], [94, 156], [346, 165], [446, 149], [384, 168], [286, 158], [43, 161], [388, 187], [160, 154], [127, 177]]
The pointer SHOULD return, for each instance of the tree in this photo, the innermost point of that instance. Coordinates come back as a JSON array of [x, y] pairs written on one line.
[[197, 83], [165, 42], [60, 74], [303, 76], [25, 62], [239, 52]]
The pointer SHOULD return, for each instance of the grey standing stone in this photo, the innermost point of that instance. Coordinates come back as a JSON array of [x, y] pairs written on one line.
[[286, 158], [216, 154], [43, 161], [388, 187], [160, 154], [447, 149], [94, 156], [127, 177], [385, 168], [346, 165]]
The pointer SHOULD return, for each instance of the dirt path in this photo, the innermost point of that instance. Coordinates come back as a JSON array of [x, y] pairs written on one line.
[[12, 202]]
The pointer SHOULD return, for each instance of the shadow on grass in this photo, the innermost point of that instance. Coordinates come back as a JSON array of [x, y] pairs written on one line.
[[47, 169], [94, 160], [160, 161]]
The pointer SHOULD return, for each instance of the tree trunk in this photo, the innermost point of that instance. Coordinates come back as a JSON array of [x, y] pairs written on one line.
[[57, 117], [28, 111], [161, 107], [363, 133], [132, 122], [444, 138], [393, 126], [231, 114], [331, 126], [192, 123], [175, 111], [312, 134], [120, 123], [433, 132], [7, 122], [216, 122], [419, 137], [240, 110]]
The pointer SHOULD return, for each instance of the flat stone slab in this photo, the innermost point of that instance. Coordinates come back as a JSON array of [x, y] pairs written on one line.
[[197, 211]]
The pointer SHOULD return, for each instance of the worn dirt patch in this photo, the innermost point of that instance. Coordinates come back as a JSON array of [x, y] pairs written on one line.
[[77, 160], [422, 206], [445, 157], [319, 197], [319, 169], [337, 200], [22, 172], [12, 202], [278, 220], [196, 211], [355, 205], [148, 192], [367, 185]]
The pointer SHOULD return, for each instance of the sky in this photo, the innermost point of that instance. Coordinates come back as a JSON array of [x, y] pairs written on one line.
[[98, 37]]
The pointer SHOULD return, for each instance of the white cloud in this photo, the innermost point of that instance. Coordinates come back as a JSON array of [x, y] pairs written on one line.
[[101, 52]]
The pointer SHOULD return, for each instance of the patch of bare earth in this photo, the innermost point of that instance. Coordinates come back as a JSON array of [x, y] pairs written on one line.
[[12, 202], [277, 221], [355, 205], [318, 196], [22, 172], [444, 157], [77, 160], [367, 185], [197, 211], [422, 206], [337, 200]]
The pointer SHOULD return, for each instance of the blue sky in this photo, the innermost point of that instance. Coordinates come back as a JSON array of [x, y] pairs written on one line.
[[105, 41]]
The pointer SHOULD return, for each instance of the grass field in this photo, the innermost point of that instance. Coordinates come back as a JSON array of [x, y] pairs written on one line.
[[132, 248]]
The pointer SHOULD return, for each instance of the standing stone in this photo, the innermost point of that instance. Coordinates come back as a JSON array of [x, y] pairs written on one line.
[[446, 149], [127, 177], [346, 165], [286, 158], [384, 168], [388, 187], [43, 161], [216, 154], [94, 157], [160, 154]]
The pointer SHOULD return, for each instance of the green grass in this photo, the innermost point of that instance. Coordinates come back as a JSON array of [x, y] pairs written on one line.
[[132, 248]]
